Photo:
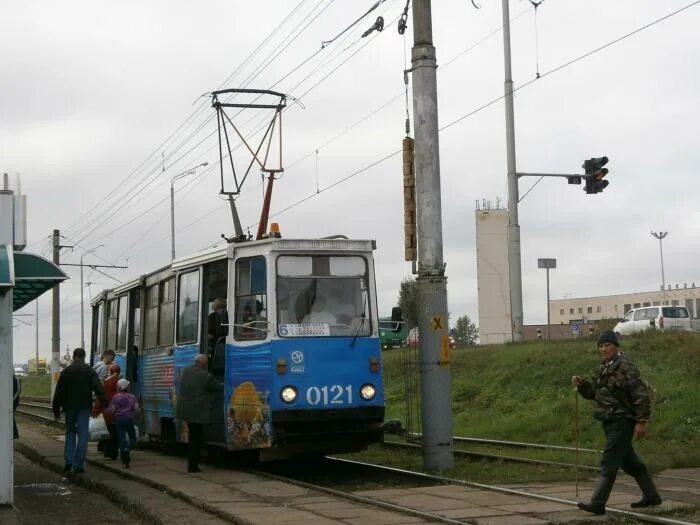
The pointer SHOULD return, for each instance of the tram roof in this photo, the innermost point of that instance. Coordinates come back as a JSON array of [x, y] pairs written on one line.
[[202, 257]]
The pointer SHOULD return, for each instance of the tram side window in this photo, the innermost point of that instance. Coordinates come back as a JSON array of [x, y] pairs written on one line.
[[166, 323], [151, 317], [188, 308], [96, 332], [112, 309], [251, 299], [121, 324]]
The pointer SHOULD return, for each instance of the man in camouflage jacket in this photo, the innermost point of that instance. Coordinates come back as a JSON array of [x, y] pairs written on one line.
[[623, 406]]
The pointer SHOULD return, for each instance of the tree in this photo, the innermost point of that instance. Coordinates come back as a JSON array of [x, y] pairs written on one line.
[[466, 331], [408, 301]]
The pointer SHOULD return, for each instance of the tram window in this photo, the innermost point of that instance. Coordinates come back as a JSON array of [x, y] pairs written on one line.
[[322, 296], [166, 313], [97, 329], [151, 317], [121, 324], [251, 299], [188, 308], [112, 308]]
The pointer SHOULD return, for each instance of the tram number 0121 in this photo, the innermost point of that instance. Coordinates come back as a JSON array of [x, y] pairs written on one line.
[[329, 395]]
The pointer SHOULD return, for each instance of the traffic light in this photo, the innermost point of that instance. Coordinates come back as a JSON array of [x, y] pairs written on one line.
[[595, 173]]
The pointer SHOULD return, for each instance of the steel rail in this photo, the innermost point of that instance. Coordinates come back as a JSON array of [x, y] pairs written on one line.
[[495, 488], [518, 444]]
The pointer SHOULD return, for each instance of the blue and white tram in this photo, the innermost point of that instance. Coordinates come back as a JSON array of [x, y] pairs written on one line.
[[296, 346]]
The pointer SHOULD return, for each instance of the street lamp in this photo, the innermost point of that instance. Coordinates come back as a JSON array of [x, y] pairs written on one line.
[[172, 204], [82, 306], [661, 236], [547, 264]]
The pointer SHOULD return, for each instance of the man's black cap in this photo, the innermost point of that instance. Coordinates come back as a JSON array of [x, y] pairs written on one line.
[[608, 337]]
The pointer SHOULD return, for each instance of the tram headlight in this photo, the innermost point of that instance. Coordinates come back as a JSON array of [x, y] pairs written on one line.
[[288, 394], [367, 391]]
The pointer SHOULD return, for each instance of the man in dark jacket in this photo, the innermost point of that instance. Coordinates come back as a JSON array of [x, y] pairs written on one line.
[[623, 406], [73, 395], [194, 400]]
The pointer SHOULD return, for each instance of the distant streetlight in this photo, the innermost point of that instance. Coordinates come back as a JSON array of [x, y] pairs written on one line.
[[661, 236], [172, 204], [547, 264], [82, 306]]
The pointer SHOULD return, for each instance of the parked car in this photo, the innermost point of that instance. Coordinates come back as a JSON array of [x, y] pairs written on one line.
[[20, 372], [654, 318], [413, 338]]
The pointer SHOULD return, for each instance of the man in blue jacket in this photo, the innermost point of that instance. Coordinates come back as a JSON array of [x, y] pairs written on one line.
[[73, 395]]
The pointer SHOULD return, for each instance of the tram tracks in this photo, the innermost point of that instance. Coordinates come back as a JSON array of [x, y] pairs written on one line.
[[328, 486], [490, 454]]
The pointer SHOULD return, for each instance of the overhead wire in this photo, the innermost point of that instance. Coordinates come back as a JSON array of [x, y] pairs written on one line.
[[268, 60], [212, 166], [191, 116], [488, 104]]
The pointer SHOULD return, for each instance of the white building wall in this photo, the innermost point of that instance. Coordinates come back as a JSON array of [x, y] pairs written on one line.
[[564, 311], [493, 276]]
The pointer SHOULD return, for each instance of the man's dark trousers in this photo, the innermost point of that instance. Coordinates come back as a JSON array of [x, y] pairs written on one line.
[[196, 440], [618, 452]]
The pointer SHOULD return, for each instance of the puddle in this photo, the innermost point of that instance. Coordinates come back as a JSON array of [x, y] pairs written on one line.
[[45, 489]]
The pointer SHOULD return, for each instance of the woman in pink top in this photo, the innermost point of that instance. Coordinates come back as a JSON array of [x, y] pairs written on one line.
[[123, 409]]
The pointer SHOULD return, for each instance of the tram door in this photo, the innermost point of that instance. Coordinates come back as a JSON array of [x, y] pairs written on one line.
[[213, 340], [133, 336]]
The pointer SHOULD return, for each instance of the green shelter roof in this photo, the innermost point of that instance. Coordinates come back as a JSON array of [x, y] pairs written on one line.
[[28, 274]]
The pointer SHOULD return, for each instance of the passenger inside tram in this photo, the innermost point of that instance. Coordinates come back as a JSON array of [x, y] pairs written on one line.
[[319, 314]]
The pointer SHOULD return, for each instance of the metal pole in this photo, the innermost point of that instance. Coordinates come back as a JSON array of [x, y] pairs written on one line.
[[549, 326], [55, 319], [36, 331], [514, 264], [436, 382], [172, 219], [663, 276], [661, 236], [82, 307]]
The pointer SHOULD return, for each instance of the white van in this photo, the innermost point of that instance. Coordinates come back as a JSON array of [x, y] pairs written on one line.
[[654, 318]]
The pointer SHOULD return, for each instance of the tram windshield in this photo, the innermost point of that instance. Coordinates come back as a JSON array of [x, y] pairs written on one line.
[[322, 296]]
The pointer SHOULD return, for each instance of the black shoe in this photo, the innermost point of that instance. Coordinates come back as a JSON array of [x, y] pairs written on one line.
[[593, 508], [193, 470], [79, 471], [125, 465], [68, 467], [647, 501]]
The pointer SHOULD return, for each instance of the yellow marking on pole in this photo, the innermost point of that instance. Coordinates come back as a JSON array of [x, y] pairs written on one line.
[[436, 323], [444, 351]]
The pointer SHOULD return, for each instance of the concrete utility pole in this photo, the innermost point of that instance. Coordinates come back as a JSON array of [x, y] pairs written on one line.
[[514, 264], [436, 382], [54, 368]]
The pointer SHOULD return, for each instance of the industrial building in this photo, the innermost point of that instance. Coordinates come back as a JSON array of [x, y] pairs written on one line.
[[574, 310]]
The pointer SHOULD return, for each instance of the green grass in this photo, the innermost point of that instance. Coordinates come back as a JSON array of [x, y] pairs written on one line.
[[522, 392], [36, 385]]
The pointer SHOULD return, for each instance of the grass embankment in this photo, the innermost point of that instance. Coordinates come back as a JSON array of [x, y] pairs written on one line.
[[36, 385], [522, 392]]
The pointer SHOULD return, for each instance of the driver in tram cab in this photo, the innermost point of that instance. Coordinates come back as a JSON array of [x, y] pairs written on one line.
[[319, 314]]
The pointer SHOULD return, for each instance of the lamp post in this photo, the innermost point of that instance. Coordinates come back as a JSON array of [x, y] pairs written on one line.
[[547, 264], [82, 306], [172, 204], [661, 236]]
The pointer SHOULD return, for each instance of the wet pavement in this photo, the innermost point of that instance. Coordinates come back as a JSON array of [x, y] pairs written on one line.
[[43, 497]]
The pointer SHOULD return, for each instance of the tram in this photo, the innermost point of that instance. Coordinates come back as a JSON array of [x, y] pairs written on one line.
[[291, 330]]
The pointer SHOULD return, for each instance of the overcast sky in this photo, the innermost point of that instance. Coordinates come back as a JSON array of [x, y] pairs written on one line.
[[96, 94]]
